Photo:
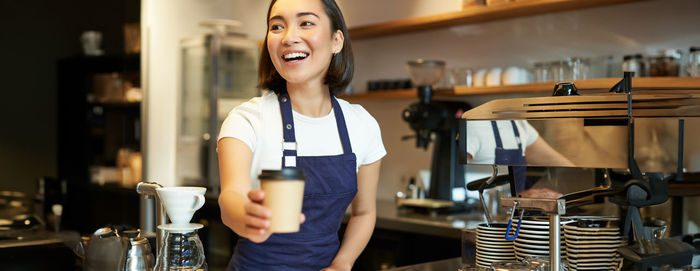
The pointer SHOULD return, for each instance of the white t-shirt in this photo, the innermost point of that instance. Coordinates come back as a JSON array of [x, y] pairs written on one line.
[[481, 144], [258, 123]]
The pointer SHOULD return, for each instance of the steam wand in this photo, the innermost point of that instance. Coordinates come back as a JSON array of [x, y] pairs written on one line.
[[489, 220]]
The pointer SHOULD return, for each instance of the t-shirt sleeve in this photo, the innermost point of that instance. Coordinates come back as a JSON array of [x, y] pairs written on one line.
[[531, 133], [374, 147], [241, 122], [473, 142]]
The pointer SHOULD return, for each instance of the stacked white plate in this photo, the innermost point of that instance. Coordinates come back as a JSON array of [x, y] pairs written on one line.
[[491, 245], [533, 239], [593, 246]]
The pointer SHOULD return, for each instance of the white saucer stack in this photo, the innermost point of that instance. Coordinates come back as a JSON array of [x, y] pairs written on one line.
[[533, 239], [592, 245], [491, 244]]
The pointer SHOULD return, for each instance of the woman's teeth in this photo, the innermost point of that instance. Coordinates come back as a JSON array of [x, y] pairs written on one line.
[[295, 56]]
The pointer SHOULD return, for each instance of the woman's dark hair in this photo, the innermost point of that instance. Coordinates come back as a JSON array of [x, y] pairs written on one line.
[[342, 65]]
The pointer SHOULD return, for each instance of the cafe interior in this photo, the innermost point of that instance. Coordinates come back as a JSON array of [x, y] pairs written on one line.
[[108, 104]]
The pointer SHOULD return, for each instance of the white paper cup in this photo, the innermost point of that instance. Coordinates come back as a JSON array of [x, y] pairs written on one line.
[[181, 202], [284, 194]]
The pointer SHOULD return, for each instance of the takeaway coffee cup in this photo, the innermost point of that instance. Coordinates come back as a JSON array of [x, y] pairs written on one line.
[[284, 193], [181, 202]]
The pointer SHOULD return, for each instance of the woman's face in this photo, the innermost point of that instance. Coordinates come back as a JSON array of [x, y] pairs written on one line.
[[299, 40]]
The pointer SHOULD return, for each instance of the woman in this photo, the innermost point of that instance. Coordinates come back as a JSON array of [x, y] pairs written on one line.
[[306, 57]]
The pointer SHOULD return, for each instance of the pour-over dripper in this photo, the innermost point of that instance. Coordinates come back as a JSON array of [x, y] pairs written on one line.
[[181, 202], [424, 74]]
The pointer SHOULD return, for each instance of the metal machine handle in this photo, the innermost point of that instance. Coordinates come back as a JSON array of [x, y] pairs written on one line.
[[148, 191], [510, 223]]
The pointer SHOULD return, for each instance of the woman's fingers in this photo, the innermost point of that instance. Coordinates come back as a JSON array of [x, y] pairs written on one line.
[[257, 222], [256, 195], [302, 218], [257, 235], [255, 209], [257, 219]]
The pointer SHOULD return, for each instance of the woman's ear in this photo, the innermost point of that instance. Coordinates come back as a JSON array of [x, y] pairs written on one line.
[[338, 41]]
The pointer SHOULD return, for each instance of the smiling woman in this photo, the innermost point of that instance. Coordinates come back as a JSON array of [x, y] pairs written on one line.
[[300, 124]]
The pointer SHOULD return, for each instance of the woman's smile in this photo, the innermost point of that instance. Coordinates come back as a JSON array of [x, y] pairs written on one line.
[[292, 58]]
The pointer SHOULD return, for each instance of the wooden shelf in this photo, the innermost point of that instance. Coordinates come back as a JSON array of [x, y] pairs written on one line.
[[116, 104], [409, 93], [546, 88], [384, 94], [476, 14], [638, 83]]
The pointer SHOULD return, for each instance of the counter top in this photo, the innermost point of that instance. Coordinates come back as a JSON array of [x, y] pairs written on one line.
[[443, 265], [32, 239], [444, 225]]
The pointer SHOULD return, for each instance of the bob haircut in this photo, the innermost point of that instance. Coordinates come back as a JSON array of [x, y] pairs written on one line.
[[339, 72]]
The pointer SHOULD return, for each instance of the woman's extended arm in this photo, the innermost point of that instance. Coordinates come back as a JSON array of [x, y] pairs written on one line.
[[241, 207], [362, 218], [540, 153]]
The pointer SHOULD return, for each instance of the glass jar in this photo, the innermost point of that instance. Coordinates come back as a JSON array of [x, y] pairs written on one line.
[[693, 68], [578, 68], [559, 70], [542, 72], [463, 77], [631, 64], [667, 63]]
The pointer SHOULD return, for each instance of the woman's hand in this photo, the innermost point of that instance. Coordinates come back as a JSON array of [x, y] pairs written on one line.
[[541, 193], [257, 219]]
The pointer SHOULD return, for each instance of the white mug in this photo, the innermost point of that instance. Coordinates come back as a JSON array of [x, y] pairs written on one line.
[[181, 202]]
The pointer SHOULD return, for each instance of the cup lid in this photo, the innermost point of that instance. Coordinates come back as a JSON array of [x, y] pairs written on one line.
[[284, 174]]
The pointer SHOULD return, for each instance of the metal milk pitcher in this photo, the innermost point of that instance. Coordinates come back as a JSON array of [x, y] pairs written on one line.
[[139, 256], [105, 251]]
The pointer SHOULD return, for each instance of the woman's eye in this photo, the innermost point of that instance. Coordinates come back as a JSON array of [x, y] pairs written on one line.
[[275, 27], [307, 23]]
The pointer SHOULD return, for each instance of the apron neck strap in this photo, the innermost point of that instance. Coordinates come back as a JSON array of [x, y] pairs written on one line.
[[289, 145], [497, 135]]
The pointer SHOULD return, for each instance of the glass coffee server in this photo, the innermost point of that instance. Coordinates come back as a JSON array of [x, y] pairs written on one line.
[[219, 72]]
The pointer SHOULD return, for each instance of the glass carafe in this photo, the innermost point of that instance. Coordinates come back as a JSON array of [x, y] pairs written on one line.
[[181, 250]]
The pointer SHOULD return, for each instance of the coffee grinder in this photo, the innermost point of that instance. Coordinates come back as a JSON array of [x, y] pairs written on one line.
[[437, 121]]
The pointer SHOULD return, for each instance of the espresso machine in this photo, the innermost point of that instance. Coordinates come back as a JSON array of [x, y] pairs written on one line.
[[437, 122], [611, 119]]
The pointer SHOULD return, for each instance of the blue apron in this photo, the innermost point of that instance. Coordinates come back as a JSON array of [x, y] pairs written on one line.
[[513, 157], [331, 185]]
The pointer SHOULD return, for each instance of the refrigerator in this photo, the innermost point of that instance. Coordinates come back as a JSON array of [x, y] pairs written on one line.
[[218, 72]]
